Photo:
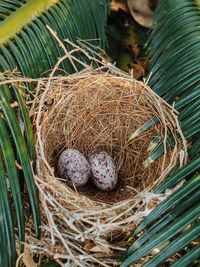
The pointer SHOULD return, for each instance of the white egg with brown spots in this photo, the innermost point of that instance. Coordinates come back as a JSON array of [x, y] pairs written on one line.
[[103, 170], [74, 167]]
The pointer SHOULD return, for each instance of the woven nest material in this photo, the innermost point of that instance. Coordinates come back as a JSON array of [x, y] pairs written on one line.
[[98, 110], [92, 111]]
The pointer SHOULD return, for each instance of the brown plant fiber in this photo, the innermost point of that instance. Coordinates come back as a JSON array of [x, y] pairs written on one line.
[[98, 110], [93, 111]]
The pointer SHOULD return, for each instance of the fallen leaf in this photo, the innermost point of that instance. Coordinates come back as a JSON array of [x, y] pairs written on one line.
[[141, 12], [138, 71], [89, 246], [28, 260], [116, 6], [102, 249]]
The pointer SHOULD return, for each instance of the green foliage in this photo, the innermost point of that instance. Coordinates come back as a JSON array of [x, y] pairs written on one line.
[[33, 50], [173, 49], [27, 45], [14, 148]]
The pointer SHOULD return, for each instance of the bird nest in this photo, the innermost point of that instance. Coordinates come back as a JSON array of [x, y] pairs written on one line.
[[102, 109], [93, 112]]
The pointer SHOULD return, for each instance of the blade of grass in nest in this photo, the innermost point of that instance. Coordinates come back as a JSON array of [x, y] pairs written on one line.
[[168, 232], [189, 258], [23, 155], [6, 220], [146, 126], [189, 188], [9, 159], [175, 246], [179, 175], [195, 148], [154, 143], [159, 151], [165, 220]]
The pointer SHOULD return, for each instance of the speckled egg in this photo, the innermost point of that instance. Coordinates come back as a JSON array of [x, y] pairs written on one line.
[[103, 170], [74, 167]]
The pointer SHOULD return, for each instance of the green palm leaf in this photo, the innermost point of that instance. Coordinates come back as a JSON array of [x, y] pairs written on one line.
[[173, 49], [176, 245], [9, 160], [8, 253], [27, 45], [188, 258]]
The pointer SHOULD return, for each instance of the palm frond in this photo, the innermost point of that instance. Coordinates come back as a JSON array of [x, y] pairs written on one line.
[[173, 50], [168, 220], [8, 253], [27, 45]]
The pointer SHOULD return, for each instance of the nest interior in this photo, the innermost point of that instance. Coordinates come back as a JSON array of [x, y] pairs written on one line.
[[95, 112]]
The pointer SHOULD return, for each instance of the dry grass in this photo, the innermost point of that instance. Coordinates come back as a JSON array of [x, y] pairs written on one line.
[[92, 110], [100, 112]]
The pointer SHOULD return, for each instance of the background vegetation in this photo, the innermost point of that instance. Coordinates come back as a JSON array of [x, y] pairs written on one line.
[[170, 234]]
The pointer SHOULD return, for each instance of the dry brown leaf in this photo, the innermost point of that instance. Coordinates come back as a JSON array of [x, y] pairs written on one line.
[[89, 246], [141, 12], [92, 247], [138, 71], [28, 260], [116, 6], [102, 249]]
